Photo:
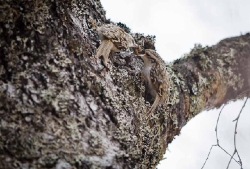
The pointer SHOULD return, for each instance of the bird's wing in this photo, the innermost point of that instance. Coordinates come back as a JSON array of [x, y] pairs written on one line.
[[159, 79]]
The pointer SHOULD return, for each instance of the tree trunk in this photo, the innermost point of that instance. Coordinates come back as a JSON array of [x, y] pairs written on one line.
[[60, 108]]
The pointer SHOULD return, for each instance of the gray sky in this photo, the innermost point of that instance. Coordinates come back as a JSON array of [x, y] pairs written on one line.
[[178, 25]]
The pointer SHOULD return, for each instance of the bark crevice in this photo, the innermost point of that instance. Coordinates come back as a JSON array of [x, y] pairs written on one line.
[[60, 106]]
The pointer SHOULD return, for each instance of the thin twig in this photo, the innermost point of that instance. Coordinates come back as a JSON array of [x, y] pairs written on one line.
[[228, 154], [235, 132], [216, 138], [216, 128], [218, 144], [208, 156]]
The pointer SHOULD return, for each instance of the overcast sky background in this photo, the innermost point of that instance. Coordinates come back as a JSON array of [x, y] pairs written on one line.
[[178, 25]]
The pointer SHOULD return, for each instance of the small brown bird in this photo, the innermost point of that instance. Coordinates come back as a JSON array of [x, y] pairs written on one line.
[[156, 78], [114, 39]]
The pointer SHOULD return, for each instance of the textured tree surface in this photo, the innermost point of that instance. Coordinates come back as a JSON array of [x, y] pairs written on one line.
[[60, 108]]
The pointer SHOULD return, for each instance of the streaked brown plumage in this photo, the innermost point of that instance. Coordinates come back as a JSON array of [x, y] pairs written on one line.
[[156, 78], [114, 39]]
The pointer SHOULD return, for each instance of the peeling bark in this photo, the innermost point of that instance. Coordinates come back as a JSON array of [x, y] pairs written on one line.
[[61, 109]]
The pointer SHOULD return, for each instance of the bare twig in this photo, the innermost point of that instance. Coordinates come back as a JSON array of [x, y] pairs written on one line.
[[208, 156], [235, 132], [217, 138], [218, 144], [216, 129]]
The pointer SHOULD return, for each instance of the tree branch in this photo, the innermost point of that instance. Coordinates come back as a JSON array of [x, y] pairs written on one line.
[[60, 107]]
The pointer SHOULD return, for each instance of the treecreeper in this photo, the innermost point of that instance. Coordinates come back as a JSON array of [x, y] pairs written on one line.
[[113, 38], [155, 77]]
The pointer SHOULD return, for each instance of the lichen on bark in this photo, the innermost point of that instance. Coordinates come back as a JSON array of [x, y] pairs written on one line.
[[61, 108]]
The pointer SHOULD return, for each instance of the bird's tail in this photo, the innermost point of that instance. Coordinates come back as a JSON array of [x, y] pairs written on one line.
[[154, 106], [104, 50]]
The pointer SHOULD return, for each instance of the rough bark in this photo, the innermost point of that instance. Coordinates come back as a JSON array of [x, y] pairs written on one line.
[[61, 109]]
